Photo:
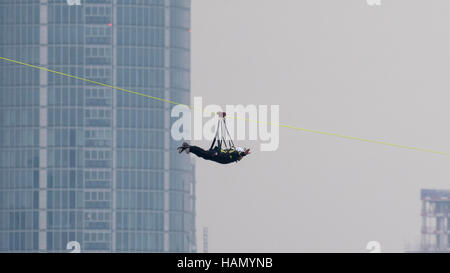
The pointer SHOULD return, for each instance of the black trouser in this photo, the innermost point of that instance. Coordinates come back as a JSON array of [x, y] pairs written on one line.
[[213, 155], [201, 153]]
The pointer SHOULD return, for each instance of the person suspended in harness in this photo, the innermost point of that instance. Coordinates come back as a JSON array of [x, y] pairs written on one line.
[[225, 155], [222, 156]]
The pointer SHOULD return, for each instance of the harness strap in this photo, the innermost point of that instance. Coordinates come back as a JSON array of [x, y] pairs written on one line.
[[221, 134], [229, 136], [215, 137]]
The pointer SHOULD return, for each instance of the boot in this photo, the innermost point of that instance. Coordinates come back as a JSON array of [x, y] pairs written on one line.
[[183, 147]]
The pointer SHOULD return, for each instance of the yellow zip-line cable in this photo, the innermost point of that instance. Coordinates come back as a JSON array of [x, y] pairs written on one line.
[[280, 125]]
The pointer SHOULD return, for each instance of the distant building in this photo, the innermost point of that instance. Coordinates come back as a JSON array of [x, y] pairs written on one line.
[[435, 220]]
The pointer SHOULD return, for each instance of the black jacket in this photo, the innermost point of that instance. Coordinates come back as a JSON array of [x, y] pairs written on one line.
[[226, 156]]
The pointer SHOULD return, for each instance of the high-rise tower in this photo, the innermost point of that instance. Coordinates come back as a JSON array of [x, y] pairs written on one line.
[[83, 162]]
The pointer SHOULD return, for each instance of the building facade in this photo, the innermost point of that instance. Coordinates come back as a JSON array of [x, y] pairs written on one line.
[[435, 220], [83, 162]]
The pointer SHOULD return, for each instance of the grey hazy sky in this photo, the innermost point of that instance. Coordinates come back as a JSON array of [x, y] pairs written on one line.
[[337, 66]]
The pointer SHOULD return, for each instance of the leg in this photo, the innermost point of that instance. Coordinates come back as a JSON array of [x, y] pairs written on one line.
[[200, 152]]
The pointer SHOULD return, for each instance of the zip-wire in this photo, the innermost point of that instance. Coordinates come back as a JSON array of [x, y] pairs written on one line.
[[280, 125]]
